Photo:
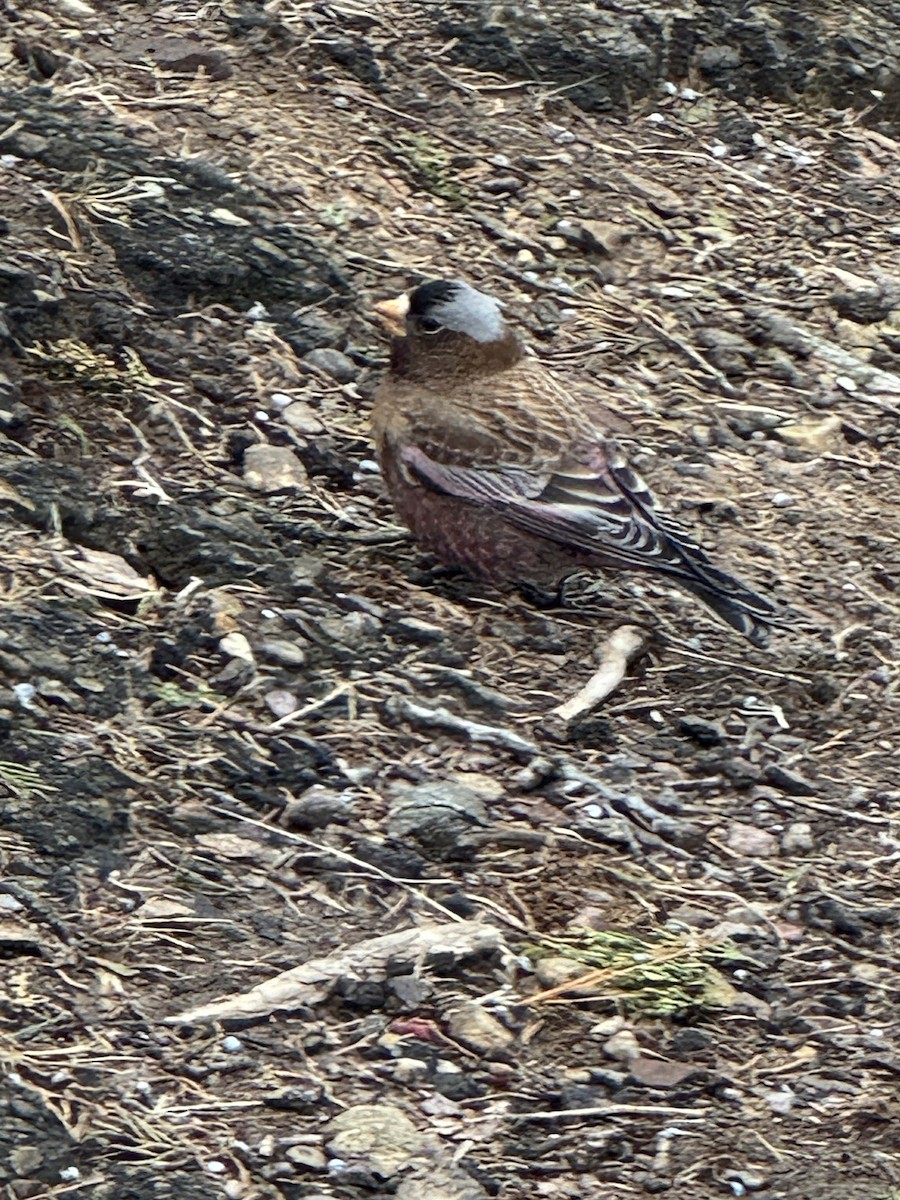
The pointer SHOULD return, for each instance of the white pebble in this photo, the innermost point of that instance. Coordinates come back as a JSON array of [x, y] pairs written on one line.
[[689, 94], [783, 500], [281, 399], [215, 1167], [24, 693], [69, 1174], [846, 383], [656, 119], [231, 1044], [781, 1102], [671, 89]]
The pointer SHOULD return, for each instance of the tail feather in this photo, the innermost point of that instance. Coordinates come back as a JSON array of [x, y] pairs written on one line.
[[738, 606]]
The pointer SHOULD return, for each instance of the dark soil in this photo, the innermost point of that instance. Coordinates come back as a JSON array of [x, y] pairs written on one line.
[[244, 726]]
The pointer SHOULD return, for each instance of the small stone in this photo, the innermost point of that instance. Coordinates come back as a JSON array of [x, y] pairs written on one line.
[[750, 1180], [280, 1169], [555, 970], [622, 1046], [608, 1027], [797, 838], [783, 500], [310, 1157], [25, 1159], [281, 650], [25, 1189], [333, 363], [378, 1137], [503, 185], [302, 418], [419, 631], [273, 469], [316, 808], [280, 702], [752, 842], [704, 733], [476, 1028], [689, 1041], [656, 1183], [659, 1073], [232, 1044], [235, 645], [781, 1102], [788, 781], [407, 1070]]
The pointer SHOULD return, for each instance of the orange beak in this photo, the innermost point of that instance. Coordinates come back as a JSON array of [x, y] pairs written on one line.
[[392, 314]]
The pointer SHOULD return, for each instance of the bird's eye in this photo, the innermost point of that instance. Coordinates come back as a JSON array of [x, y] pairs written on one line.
[[429, 325]]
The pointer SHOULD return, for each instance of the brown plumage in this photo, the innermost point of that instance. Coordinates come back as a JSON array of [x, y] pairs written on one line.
[[495, 466]]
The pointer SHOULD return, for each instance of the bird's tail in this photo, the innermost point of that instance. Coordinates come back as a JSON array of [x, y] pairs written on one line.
[[737, 605]]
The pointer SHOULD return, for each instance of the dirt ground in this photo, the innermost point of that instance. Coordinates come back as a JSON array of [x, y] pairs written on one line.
[[245, 725]]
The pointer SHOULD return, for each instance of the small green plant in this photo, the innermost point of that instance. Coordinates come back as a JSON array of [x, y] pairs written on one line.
[[431, 167], [662, 974]]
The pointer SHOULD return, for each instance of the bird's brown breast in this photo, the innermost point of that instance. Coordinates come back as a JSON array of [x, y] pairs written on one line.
[[466, 409]]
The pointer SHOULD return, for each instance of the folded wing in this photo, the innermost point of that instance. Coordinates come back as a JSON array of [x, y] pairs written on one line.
[[600, 507]]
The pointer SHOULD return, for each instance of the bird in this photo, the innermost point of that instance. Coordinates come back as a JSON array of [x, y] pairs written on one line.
[[495, 466]]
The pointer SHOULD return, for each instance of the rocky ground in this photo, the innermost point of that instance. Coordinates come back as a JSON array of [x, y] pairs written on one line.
[[246, 728]]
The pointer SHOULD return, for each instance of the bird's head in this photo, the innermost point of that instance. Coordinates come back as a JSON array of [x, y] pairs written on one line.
[[443, 306]]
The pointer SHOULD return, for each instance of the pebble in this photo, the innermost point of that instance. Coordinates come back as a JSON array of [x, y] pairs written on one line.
[[317, 807], [302, 418], [280, 650], [622, 1046], [753, 842], [608, 1027], [476, 1028], [380, 1137], [281, 702], [406, 1070], [333, 363], [273, 469], [231, 1044], [781, 1102], [235, 645], [783, 500], [788, 781], [503, 185], [419, 631], [310, 1157], [797, 838], [26, 1159]]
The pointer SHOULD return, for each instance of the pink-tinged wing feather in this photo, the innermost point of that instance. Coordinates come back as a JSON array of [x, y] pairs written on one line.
[[601, 508]]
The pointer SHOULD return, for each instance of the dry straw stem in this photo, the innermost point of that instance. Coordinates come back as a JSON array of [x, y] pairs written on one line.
[[622, 645]]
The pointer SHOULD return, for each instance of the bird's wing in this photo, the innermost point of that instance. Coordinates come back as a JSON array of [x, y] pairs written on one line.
[[599, 506]]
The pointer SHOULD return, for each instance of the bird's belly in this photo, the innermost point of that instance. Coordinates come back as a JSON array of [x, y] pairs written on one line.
[[477, 538]]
